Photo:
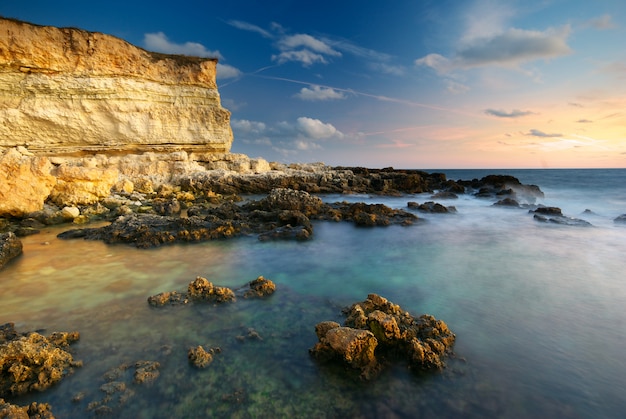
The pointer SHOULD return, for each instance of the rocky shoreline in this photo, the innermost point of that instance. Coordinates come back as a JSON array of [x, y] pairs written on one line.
[[154, 199]]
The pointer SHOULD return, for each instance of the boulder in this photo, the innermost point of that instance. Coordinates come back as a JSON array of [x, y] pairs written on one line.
[[10, 248], [82, 185], [355, 347], [25, 182]]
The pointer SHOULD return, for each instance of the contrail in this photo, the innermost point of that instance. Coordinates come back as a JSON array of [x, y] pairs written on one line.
[[377, 97], [353, 92]]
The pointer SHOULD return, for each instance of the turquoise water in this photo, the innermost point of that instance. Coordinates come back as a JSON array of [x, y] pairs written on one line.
[[538, 311]]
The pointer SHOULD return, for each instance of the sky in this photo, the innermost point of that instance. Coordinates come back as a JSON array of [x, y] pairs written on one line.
[[425, 84]]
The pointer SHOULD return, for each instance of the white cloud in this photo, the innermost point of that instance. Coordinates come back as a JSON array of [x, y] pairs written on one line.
[[437, 62], [319, 93], [306, 57], [316, 129], [291, 42], [225, 71], [306, 145], [159, 42], [248, 127]]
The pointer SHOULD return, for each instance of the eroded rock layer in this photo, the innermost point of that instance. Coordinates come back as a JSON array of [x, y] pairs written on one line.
[[69, 91]]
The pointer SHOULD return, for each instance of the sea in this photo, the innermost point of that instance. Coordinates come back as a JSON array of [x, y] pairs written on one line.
[[538, 309]]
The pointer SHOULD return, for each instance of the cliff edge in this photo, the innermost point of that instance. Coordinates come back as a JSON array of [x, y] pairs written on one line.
[[66, 91]]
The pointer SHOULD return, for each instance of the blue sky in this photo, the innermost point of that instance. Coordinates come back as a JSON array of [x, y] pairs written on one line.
[[409, 84]]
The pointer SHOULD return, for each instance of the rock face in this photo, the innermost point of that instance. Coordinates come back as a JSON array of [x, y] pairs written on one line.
[[69, 91]]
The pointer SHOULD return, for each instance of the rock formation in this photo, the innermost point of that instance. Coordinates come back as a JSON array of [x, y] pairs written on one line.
[[69, 91], [377, 331]]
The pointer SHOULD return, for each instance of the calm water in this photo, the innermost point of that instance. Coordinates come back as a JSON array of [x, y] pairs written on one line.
[[538, 310]]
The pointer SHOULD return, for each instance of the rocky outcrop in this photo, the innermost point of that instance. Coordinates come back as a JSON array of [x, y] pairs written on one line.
[[283, 210], [620, 219], [377, 331], [69, 91], [431, 207], [201, 290], [554, 215], [502, 186], [10, 248]]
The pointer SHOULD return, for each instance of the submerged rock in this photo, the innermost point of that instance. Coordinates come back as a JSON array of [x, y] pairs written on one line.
[[34, 362], [555, 216], [377, 330], [201, 358], [203, 290], [260, 287], [167, 298], [620, 219], [431, 207], [33, 411]]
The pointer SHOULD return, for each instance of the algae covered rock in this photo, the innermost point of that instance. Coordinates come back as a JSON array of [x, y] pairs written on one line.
[[377, 331], [35, 362], [355, 347], [34, 410], [260, 287], [203, 290], [200, 357]]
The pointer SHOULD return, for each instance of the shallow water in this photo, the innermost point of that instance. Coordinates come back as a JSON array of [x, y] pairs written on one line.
[[538, 311]]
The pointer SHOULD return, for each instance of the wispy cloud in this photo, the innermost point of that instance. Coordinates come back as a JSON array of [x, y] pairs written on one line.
[[308, 50], [603, 22], [538, 133], [225, 71], [315, 93], [159, 42], [515, 113], [245, 26]]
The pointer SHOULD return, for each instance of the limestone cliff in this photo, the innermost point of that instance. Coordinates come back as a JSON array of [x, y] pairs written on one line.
[[69, 91]]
